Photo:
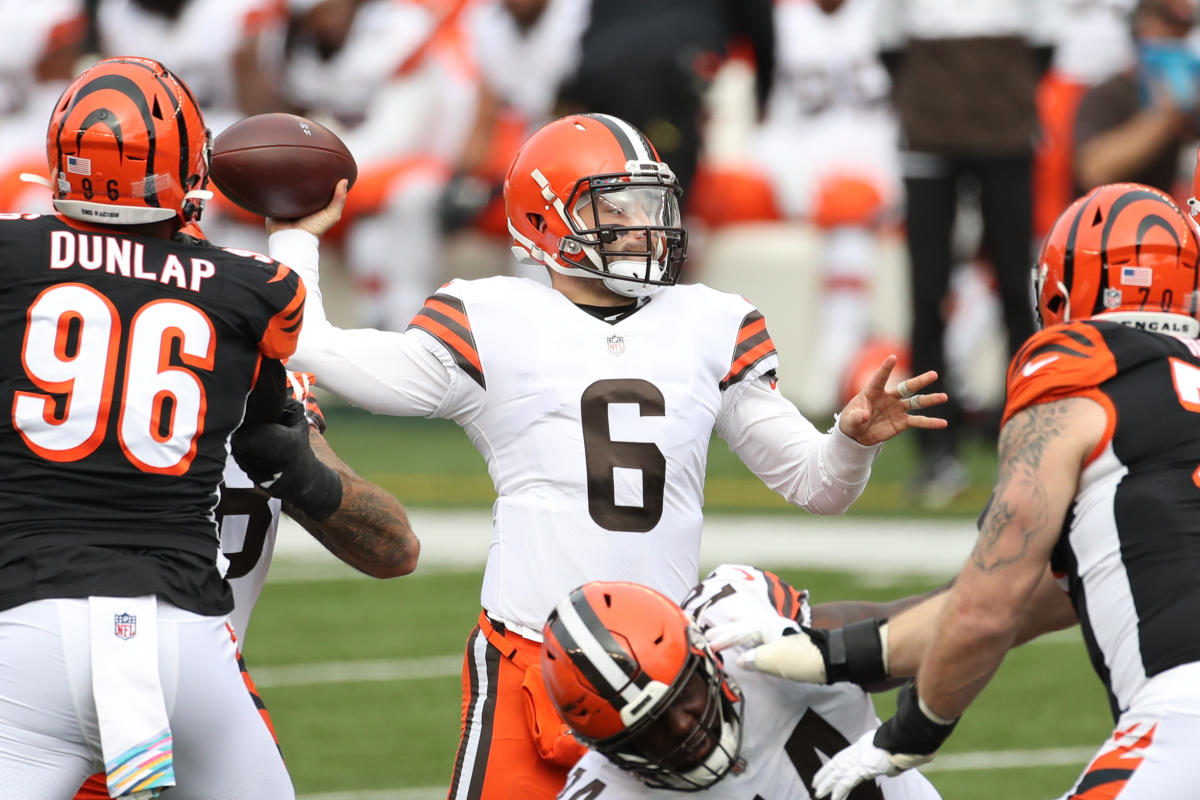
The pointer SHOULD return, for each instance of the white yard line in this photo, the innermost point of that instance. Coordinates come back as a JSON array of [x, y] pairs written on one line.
[[950, 762], [876, 547], [396, 669]]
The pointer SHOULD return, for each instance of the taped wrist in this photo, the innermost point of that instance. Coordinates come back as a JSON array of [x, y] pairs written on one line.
[[911, 731], [856, 653], [314, 489]]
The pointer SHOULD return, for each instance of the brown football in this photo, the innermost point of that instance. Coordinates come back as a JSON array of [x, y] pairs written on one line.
[[280, 165]]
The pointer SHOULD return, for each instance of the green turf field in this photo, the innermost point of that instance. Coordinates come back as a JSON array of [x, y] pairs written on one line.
[[381, 718]]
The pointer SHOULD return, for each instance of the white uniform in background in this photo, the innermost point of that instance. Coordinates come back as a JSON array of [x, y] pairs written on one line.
[[787, 726], [829, 146], [828, 112], [595, 434], [525, 68], [198, 46]]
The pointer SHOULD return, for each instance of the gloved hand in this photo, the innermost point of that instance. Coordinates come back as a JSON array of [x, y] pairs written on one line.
[[907, 740], [746, 631], [301, 385], [278, 457], [856, 652]]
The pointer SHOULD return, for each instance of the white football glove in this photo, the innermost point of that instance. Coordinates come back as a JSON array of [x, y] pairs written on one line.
[[793, 657], [861, 761], [748, 631]]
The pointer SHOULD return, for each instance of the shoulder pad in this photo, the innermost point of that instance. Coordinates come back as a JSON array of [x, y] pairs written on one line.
[[1057, 362]]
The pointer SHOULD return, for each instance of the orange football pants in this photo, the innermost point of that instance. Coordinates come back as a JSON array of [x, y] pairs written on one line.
[[513, 743]]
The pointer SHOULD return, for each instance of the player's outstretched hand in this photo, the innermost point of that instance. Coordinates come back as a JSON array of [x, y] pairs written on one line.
[[877, 413], [317, 224]]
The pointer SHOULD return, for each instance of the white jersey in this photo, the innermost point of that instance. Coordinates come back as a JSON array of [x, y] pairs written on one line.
[[526, 68], [249, 523], [198, 46], [383, 36], [789, 728], [29, 31], [828, 113], [595, 434]]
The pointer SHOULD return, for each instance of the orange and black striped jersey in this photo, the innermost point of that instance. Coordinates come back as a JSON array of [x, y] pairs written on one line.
[[1130, 545], [129, 365]]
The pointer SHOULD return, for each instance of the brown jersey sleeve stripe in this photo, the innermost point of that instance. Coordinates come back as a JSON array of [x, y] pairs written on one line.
[[444, 318], [753, 345]]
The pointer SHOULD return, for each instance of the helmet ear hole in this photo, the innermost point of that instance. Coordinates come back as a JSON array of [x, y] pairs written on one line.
[[1055, 304], [537, 221]]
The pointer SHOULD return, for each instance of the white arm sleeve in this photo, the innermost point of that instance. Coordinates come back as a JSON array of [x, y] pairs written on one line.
[[821, 472], [382, 371]]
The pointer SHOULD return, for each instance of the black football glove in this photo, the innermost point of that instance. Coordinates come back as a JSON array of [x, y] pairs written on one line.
[[278, 457]]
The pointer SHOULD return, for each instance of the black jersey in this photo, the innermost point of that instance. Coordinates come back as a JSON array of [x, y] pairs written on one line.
[[127, 366], [1130, 547]]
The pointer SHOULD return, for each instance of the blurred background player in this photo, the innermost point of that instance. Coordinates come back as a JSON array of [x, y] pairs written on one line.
[[520, 51], [1133, 126], [40, 45], [593, 401], [389, 77], [369, 530], [136, 351], [827, 145], [964, 84], [633, 676], [651, 64], [1092, 43]]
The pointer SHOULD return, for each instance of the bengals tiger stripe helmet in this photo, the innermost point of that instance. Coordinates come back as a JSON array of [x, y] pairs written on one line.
[[615, 657], [573, 170], [127, 145], [1123, 252]]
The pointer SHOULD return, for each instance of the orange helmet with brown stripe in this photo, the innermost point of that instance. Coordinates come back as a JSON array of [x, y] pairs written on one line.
[[588, 195], [620, 661], [127, 145], [1123, 252]]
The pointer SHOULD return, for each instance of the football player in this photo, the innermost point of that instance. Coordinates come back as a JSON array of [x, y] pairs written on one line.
[[369, 531], [633, 675], [1098, 482], [134, 353], [593, 401]]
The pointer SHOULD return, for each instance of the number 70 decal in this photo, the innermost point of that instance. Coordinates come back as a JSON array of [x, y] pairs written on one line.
[[72, 342]]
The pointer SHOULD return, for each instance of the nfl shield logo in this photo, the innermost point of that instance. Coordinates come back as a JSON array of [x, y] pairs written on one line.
[[124, 626], [616, 345], [1112, 298]]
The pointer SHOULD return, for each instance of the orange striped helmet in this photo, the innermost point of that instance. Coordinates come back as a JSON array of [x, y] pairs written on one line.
[[127, 145], [616, 657], [1123, 252], [588, 195]]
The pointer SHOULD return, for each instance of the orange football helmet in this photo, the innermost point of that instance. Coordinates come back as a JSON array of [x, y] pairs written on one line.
[[1123, 252], [127, 145], [615, 657], [588, 195]]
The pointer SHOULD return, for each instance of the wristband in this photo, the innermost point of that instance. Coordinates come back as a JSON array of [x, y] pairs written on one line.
[[856, 653], [911, 731]]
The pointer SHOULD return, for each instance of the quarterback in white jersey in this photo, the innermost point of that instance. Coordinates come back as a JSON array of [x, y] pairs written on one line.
[[617, 646], [592, 402]]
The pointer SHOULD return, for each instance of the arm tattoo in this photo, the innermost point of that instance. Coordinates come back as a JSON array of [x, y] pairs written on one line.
[[1020, 498], [370, 530]]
